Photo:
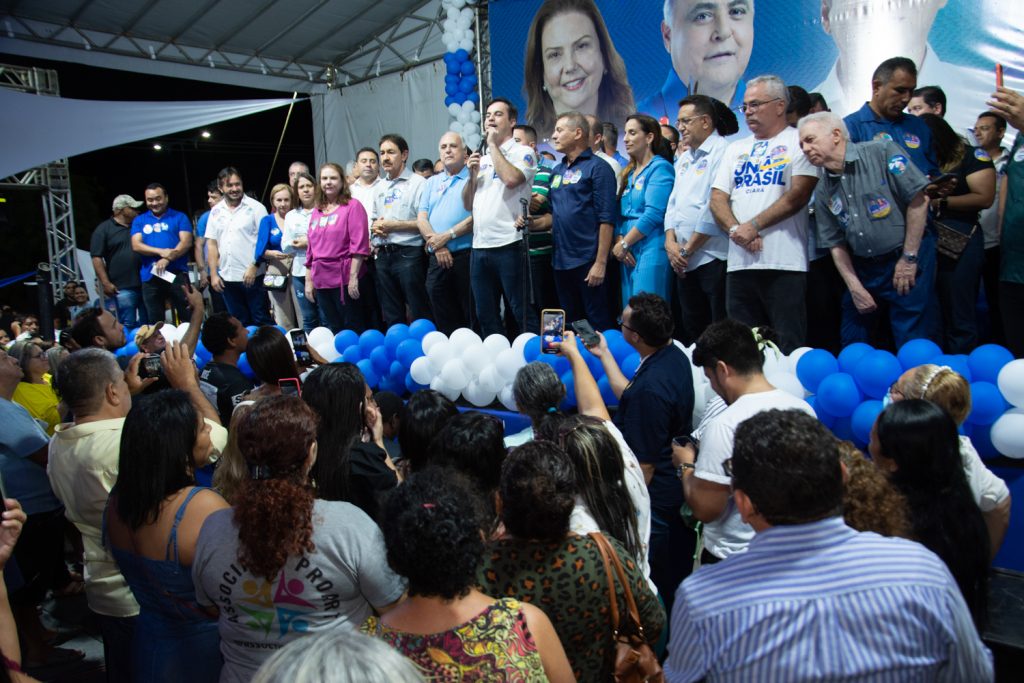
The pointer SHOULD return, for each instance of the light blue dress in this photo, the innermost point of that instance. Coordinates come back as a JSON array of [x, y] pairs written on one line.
[[643, 206]]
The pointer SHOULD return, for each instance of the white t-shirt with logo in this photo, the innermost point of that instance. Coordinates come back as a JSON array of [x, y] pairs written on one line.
[[398, 199], [495, 206], [729, 534], [235, 231], [755, 174]]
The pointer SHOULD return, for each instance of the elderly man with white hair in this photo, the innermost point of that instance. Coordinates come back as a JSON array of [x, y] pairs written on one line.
[[871, 213]]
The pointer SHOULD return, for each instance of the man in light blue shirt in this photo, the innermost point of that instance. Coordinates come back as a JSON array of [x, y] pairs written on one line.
[[697, 248], [813, 599], [448, 229]]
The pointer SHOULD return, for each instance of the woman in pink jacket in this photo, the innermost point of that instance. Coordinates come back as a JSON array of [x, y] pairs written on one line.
[[339, 243]]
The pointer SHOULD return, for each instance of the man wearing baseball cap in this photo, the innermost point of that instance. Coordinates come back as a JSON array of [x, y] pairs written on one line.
[[116, 265]]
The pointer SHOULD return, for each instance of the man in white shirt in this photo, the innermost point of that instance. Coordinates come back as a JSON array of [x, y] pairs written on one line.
[[401, 264], [231, 235], [732, 360], [696, 248], [759, 198], [597, 146], [499, 181], [368, 180]]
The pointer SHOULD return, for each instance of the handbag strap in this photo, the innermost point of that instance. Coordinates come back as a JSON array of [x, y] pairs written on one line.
[[612, 601], [607, 551]]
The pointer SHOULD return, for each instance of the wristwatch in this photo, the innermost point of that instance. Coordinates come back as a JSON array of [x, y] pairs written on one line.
[[685, 253], [910, 256], [733, 229], [682, 467], [451, 233], [624, 244]]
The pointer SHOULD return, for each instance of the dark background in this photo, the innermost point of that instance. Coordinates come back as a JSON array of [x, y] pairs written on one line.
[[246, 143]]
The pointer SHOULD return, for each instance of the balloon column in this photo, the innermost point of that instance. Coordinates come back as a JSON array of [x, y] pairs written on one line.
[[462, 97]]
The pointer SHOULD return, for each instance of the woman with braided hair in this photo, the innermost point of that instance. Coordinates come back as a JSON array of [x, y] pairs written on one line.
[[281, 564]]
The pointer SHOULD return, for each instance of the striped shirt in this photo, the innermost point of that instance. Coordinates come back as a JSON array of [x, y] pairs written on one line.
[[823, 602]]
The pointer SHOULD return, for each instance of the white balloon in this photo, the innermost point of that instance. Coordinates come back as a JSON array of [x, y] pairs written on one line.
[[478, 395], [171, 333], [496, 343], [466, 44], [519, 343], [788, 382], [774, 362], [490, 379], [439, 386], [422, 370], [507, 363], [329, 353], [454, 374], [506, 397], [458, 4], [468, 106], [440, 353], [464, 337], [463, 118], [455, 126], [796, 355], [1011, 382], [474, 116], [454, 109], [431, 338], [1008, 433], [320, 336], [476, 357], [466, 14]]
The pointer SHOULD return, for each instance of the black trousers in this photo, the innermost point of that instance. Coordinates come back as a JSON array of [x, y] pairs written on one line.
[[450, 292], [701, 299], [775, 298], [990, 282], [824, 304], [1011, 302], [401, 280]]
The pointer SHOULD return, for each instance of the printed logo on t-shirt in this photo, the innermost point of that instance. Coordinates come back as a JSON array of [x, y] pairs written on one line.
[[147, 229], [762, 168], [981, 155], [882, 136], [878, 207], [911, 140], [897, 164], [759, 148]]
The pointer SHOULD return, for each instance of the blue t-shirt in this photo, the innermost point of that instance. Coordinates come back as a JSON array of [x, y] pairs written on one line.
[[442, 200], [201, 224], [582, 197], [909, 132], [161, 233], [268, 237], [24, 478]]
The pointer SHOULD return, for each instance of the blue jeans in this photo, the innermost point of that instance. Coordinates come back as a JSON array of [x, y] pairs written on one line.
[[493, 272], [908, 314], [310, 312], [249, 304], [957, 282], [129, 306]]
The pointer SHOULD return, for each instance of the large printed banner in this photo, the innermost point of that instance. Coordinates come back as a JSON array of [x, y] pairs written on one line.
[[613, 57]]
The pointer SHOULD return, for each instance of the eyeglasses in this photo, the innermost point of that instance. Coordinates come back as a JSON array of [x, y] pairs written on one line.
[[751, 107], [686, 120], [622, 324]]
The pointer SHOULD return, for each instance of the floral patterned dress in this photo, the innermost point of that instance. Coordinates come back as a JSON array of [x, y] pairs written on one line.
[[495, 645]]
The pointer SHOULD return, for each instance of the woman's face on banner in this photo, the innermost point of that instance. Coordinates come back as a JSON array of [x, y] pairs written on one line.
[[710, 41], [573, 63]]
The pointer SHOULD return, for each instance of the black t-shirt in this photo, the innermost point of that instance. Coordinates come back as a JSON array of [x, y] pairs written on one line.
[[113, 243], [975, 159], [231, 386]]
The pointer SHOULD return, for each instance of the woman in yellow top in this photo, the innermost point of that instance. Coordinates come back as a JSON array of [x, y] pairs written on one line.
[[34, 393]]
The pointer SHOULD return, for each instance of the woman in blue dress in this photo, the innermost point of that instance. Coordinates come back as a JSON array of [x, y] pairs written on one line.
[[647, 184], [152, 523]]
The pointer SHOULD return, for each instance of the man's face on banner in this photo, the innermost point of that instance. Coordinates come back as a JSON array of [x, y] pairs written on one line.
[[710, 40]]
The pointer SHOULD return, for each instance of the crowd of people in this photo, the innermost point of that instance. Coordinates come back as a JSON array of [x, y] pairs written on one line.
[[297, 526]]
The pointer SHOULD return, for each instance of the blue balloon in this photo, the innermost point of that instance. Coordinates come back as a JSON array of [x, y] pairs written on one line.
[[130, 349], [252, 329], [609, 335], [461, 55], [202, 351], [814, 366], [532, 349], [396, 372], [823, 417], [419, 329], [838, 394], [412, 385], [468, 68], [957, 363], [987, 360], [849, 356], [918, 352], [559, 364], [460, 97], [863, 419], [352, 354], [981, 439], [369, 340], [630, 365], [451, 78], [570, 391], [119, 353], [449, 101], [465, 86], [408, 350], [451, 89], [606, 391], [620, 349], [987, 403], [474, 97], [243, 365], [369, 374], [201, 362], [449, 57], [471, 79], [345, 339], [380, 360], [454, 69], [875, 372], [843, 429], [395, 335]]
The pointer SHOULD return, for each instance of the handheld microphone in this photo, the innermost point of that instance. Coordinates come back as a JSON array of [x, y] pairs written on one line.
[[483, 146], [524, 204]]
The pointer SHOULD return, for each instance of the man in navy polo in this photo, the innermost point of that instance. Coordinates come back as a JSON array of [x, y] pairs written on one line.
[[162, 237], [892, 86], [448, 228], [583, 214]]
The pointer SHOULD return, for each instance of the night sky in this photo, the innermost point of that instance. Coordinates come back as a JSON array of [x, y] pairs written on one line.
[[247, 143]]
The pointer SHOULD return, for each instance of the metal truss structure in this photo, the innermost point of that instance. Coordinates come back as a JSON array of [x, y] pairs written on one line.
[[53, 178]]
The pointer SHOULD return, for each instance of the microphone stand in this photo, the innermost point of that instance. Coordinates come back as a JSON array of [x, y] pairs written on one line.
[[528, 280]]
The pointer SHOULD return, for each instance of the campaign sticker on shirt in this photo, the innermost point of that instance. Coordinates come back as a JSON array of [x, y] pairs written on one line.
[[556, 182], [981, 155], [897, 164], [836, 205], [639, 184], [528, 159], [779, 151], [878, 207], [701, 167], [572, 177], [333, 219], [147, 229], [882, 136], [323, 221], [759, 148], [1018, 156], [911, 140]]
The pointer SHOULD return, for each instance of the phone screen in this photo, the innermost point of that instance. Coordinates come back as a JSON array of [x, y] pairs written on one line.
[[586, 332], [302, 355], [552, 329], [289, 387]]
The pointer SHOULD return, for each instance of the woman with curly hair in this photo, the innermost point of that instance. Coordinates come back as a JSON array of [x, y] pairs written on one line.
[[571, 64], [540, 561], [950, 391], [870, 501], [447, 627], [281, 564]]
